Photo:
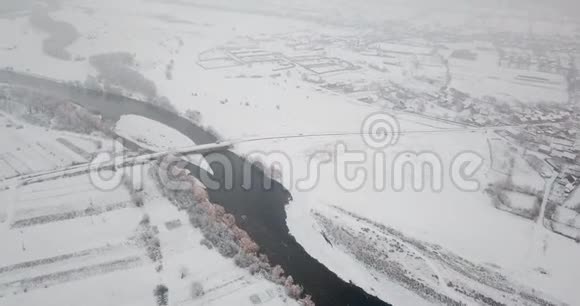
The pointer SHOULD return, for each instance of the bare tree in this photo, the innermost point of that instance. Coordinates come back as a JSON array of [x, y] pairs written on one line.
[[197, 290], [307, 301], [160, 294], [183, 272], [194, 116]]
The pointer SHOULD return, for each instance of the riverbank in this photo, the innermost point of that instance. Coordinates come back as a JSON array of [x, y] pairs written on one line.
[[263, 212]]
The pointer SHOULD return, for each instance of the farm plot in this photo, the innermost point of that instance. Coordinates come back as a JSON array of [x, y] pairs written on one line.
[[251, 56], [6, 170], [68, 240], [325, 65], [65, 199], [216, 59], [62, 233], [27, 149], [85, 143], [485, 77], [18, 278], [185, 262], [518, 203], [567, 216], [564, 221], [508, 164], [573, 202]]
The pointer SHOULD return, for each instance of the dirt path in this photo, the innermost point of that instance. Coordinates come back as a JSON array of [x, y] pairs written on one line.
[[547, 192]]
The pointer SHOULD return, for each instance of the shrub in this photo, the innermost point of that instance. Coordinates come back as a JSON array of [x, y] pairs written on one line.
[[254, 268], [137, 198], [219, 230], [244, 260], [228, 248], [194, 116], [117, 68], [183, 272], [306, 301], [145, 220], [249, 246], [148, 238], [277, 275], [160, 294], [197, 289], [206, 243]]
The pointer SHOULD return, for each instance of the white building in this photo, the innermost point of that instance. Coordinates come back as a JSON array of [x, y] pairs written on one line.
[[545, 149]]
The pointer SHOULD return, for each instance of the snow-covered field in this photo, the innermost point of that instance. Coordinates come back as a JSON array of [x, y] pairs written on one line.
[[574, 200], [68, 243], [463, 223], [150, 134], [522, 201], [28, 149], [508, 163], [485, 77]]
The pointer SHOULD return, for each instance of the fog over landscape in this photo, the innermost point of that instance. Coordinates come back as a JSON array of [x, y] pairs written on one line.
[[268, 152]]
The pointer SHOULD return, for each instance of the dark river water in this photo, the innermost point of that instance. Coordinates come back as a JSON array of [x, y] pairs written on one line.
[[260, 212]]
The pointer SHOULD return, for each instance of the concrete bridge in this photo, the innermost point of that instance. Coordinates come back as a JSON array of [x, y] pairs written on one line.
[[115, 162]]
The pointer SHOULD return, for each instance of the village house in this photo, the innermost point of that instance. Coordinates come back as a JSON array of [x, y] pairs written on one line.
[[545, 149]]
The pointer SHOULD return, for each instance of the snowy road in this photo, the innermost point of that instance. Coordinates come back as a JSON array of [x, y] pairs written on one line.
[[547, 192]]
